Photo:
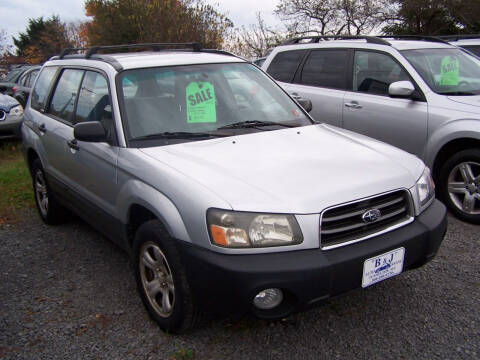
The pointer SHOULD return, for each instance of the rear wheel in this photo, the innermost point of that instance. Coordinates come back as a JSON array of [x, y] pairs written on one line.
[[459, 185], [162, 280], [48, 208]]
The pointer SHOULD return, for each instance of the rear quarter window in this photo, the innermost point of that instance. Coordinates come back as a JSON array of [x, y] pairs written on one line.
[[42, 87], [285, 64]]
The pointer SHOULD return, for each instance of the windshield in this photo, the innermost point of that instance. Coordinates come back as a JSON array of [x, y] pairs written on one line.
[[207, 100], [447, 71]]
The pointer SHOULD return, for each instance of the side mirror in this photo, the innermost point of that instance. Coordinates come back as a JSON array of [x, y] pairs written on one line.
[[305, 103], [91, 131], [401, 89]]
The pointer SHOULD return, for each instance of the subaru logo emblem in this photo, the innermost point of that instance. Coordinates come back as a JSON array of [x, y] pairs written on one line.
[[371, 215]]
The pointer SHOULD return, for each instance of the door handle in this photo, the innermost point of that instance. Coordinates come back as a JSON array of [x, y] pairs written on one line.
[[42, 128], [353, 105], [73, 144]]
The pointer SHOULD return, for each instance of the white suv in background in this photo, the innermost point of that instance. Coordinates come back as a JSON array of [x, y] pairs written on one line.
[[420, 94]]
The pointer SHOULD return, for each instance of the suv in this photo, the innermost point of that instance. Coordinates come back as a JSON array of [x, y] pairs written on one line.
[[221, 187], [469, 42], [420, 94]]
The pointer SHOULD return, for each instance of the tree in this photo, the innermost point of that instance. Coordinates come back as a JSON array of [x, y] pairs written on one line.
[[42, 39], [134, 21], [432, 17], [5, 47], [255, 40], [331, 17]]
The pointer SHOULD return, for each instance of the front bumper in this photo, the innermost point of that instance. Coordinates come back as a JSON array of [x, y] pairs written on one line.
[[10, 127], [228, 283]]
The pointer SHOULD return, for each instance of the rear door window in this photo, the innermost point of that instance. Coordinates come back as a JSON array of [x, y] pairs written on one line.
[[326, 68], [65, 95], [42, 87], [285, 64]]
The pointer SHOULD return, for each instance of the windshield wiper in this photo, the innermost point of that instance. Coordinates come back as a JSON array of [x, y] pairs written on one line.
[[253, 124], [178, 135]]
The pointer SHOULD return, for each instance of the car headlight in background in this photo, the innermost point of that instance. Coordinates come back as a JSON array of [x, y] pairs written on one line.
[[425, 188], [235, 229], [17, 110]]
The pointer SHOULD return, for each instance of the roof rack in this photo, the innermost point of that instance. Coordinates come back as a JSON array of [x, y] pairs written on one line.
[[92, 53], [155, 46], [317, 39], [414, 37], [459, 37]]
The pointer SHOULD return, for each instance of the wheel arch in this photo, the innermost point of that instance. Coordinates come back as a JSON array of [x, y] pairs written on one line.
[[450, 148]]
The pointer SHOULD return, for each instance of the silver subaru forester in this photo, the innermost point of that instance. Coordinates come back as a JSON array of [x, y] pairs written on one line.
[[227, 195]]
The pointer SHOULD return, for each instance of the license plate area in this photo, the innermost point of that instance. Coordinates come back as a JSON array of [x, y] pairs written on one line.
[[382, 267]]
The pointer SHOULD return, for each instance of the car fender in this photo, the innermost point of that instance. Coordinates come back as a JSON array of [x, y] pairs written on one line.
[[137, 192], [456, 129]]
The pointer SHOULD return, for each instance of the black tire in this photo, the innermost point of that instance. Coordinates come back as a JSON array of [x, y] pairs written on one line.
[[450, 171], [52, 213], [184, 313]]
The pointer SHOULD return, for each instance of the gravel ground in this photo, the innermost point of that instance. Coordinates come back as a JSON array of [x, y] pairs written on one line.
[[68, 293]]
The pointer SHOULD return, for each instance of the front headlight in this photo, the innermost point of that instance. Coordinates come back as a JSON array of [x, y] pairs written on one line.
[[242, 229], [17, 110], [425, 188]]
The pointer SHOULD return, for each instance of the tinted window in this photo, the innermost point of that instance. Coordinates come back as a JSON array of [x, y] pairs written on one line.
[[374, 72], [42, 87], [63, 100], [13, 75], [285, 64], [31, 79], [325, 68]]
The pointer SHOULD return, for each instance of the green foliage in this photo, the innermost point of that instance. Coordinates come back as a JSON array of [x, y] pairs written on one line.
[[136, 21], [42, 39]]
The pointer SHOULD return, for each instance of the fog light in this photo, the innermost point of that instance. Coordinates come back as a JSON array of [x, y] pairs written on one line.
[[268, 299]]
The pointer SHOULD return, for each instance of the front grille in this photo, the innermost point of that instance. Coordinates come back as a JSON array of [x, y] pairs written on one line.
[[344, 224]]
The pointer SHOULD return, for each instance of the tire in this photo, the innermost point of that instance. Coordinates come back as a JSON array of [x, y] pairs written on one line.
[[158, 266], [459, 185], [49, 210]]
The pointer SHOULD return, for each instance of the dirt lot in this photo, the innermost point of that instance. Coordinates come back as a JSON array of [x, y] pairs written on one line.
[[69, 293]]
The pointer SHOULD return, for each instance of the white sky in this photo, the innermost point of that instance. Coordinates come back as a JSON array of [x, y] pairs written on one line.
[[14, 14]]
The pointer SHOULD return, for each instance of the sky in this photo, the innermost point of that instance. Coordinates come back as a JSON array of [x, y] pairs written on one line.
[[15, 13]]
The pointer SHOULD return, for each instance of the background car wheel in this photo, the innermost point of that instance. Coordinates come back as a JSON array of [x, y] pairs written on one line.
[[162, 280], [459, 185], [48, 208]]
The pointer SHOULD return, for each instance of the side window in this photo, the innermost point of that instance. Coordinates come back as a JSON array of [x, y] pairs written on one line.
[[63, 100], [373, 72], [285, 64], [31, 79], [42, 87], [94, 100], [325, 68]]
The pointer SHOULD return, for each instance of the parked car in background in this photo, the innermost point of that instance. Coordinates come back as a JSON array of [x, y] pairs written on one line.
[[21, 91], [420, 94], [13, 77], [11, 115], [469, 42], [227, 195]]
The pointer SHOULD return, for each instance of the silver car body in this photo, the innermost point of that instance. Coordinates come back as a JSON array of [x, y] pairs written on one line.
[[421, 128], [299, 171]]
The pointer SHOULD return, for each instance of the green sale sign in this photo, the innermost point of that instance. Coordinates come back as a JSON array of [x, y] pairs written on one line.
[[200, 98]]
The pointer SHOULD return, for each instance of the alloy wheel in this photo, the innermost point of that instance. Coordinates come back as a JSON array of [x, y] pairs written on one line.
[[464, 187], [41, 192]]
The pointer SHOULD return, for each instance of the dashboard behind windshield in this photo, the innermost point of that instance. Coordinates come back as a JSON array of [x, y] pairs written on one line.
[[447, 71]]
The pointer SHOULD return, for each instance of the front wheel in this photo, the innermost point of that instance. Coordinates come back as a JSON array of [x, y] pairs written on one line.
[[162, 280], [459, 185]]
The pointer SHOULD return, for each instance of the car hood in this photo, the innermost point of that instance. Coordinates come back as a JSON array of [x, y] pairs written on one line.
[[298, 170], [7, 102], [467, 100]]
